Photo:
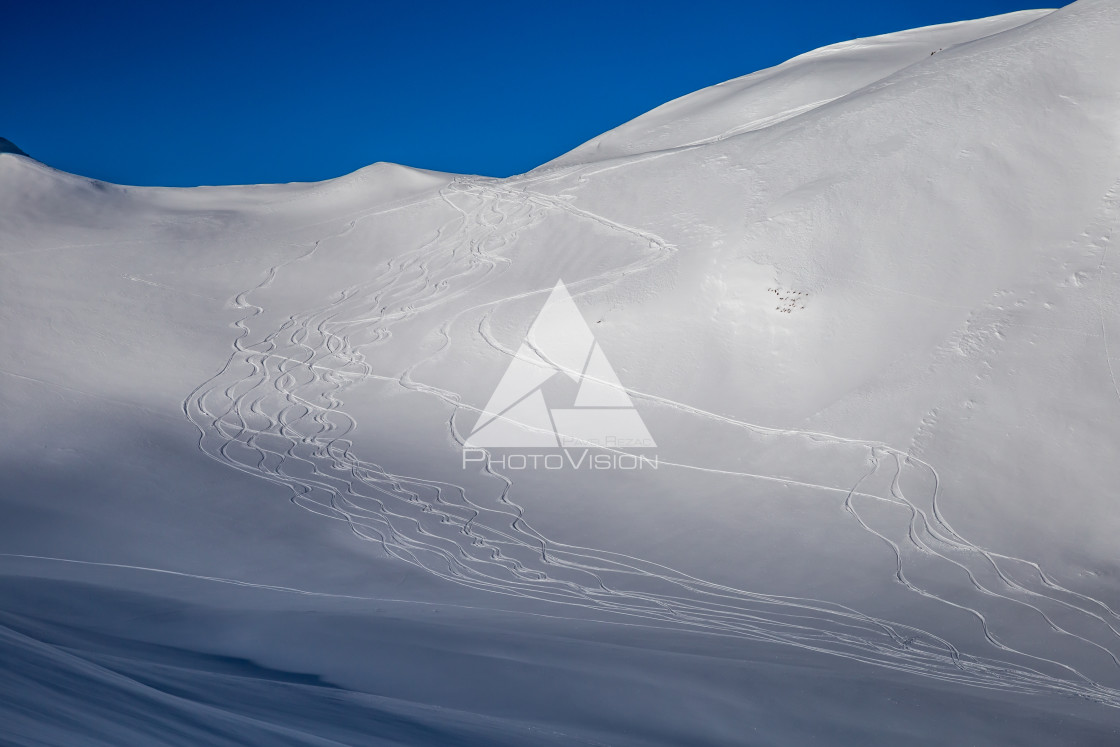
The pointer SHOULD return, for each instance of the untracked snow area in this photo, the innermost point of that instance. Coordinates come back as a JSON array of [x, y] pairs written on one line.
[[866, 302]]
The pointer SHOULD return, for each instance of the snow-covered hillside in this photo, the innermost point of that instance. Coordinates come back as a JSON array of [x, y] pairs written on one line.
[[866, 303]]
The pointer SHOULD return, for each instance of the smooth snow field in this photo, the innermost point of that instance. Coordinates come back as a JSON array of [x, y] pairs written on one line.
[[256, 484]]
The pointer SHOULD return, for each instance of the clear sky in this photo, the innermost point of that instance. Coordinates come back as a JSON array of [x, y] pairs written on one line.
[[240, 91]]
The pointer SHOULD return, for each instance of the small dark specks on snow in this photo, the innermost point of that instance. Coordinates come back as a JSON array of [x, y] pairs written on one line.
[[789, 300]]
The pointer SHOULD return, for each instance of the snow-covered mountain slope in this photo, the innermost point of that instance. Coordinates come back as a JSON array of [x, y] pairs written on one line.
[[866, 303], [766, 98]]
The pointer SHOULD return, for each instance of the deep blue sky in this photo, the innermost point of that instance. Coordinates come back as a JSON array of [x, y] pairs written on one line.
[[242, 92]]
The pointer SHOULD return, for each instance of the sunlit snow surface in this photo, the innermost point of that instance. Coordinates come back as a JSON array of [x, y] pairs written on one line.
[[866, 303]]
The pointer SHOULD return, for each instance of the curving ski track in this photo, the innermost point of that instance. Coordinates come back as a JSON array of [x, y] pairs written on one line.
[[275, 410]]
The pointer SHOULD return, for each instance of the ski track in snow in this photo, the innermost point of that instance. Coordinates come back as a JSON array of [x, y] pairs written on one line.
[[275, 411]]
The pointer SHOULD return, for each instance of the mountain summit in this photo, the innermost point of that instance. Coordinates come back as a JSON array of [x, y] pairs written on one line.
[[7, 146]]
